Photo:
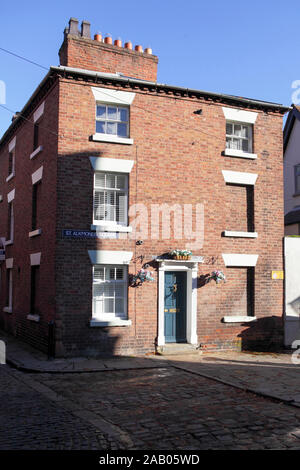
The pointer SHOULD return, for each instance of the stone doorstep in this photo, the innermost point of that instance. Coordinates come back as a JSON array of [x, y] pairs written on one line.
[[172, 349]]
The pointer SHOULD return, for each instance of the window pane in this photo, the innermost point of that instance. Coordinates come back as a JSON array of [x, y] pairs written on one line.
[[228, 128], [111, 128], [109, 305], [121, 206], [110, 181], [297, 170], [245, 131], [98, 306], [101, 112], [98, 273], [100, 127], [245, 145], [122, 130], [120, 306], [112, 113], [123, 114], [120, 181], [237, 130], [119, 273], [100, 180]]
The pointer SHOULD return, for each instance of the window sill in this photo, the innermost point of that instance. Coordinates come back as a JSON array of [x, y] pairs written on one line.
[[111, 228], [10, 177], [36, 152], [114, 139], [33, 317], [34, 233], [239, 319], [8, 242], [116, 322], [227, 233], [7, 309], [239, 154]]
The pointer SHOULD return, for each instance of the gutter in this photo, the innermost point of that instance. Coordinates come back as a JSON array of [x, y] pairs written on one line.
[[123, 78], [135, 81]]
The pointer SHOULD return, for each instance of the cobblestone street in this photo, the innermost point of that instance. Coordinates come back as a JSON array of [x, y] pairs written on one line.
[[150, 409]]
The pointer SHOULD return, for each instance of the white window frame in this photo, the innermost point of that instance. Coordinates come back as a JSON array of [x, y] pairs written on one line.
[[111, 318], [232, 136], [12, 151], [246, 118], [9, 267], [106, 97], [112, 224], [107, 120], [116, 166], [10, 202]]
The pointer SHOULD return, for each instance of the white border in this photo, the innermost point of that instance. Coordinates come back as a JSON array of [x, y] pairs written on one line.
[[110, 257], [238, 319], [9, 262], [238, 177], [39, 112], [36, 152], [12, 144], [116, 165], [11, 195], [228, 233], [35, 259], [191, 268], [114, 139], [239, 115], [107, 95], [237, 259], [239, 154], [37, 175]]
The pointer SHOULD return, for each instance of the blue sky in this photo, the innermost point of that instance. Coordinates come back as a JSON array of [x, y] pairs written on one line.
[[242, 48]]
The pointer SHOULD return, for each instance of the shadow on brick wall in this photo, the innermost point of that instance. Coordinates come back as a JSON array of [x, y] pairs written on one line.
[[264, 334]]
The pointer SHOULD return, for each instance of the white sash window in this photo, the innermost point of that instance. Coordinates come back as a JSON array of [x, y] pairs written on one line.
[[109, 292], [110, 198]]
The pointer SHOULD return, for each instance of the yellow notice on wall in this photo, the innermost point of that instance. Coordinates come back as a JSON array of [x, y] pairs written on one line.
[[277, 275]]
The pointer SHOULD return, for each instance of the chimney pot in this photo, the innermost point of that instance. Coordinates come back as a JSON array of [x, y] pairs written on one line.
[[108, 39], [98, 37], [128, 45], [86, 29], [148, 50], [118, 42], [139, 48], [73, 27]]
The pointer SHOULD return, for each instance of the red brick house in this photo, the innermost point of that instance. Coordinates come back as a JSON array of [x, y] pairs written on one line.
[[105, 171]]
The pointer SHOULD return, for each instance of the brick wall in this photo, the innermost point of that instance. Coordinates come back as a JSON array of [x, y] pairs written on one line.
[[88, 54], [17, 322], [178, 159]]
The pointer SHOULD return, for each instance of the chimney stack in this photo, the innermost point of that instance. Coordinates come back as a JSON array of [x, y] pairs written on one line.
[[86, 29], [103, 54], [73, 27]]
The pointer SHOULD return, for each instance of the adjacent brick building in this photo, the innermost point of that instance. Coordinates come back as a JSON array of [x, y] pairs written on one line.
[[101, 147]]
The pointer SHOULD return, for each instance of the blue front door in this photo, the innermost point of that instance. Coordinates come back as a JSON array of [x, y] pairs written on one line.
[[175, 307]]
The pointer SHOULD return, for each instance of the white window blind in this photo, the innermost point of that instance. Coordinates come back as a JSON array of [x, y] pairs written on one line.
[[109, 292], [110, 197]]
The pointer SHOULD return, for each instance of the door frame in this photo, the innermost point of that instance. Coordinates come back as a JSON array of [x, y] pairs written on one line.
[[191, 268]]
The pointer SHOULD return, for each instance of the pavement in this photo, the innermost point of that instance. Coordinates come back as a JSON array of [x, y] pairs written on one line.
[[270, 375]]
